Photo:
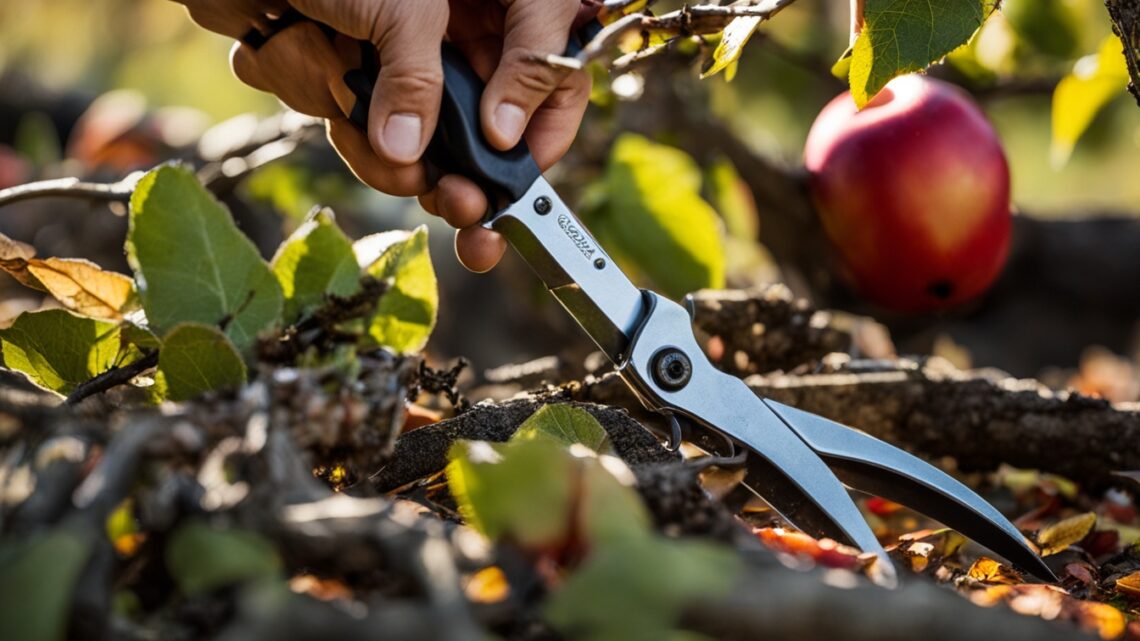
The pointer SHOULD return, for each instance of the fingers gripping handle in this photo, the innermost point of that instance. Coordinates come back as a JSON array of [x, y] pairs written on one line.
[[458, 145]]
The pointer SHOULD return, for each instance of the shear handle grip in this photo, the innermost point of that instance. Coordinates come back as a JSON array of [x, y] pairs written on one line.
[[458, 145]]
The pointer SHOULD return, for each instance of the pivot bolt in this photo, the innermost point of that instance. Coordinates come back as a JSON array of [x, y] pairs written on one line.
[[672, 369], [543, 205]]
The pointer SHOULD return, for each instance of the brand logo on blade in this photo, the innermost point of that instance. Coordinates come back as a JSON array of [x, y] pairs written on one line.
[[580, 239]]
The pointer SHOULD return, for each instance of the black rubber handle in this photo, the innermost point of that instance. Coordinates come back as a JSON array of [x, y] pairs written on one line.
[[457, 145]]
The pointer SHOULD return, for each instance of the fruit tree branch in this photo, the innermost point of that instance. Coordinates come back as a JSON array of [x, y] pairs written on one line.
[[1125, 16], [684, 22]]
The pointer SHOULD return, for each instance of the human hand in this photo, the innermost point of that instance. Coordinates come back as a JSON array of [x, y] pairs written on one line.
[[504, 41]]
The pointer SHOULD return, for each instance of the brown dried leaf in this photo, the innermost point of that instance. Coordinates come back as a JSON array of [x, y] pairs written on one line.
[[1062, 534], [83, 287], [990, 571], [929, 546], [1129, 585], [14, 257]]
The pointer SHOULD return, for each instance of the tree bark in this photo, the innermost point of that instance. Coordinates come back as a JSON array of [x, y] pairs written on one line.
[[1125, 16]]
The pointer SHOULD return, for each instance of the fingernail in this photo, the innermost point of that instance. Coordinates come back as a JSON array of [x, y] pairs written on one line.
[[510, 120], [402, 135]]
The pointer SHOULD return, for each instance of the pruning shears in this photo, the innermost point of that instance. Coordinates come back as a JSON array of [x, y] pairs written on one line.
[[799, 463]]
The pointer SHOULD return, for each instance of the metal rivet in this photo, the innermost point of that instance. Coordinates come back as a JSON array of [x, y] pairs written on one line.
[[543, 205], [600, 263], [672, 369]]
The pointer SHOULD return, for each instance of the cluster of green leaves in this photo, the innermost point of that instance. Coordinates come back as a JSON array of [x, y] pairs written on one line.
[[554, 489], [202, 295]]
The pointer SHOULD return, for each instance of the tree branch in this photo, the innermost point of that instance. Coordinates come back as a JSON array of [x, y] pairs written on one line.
[[685, 22], [112, 378], [116, 192], [1125, 16]]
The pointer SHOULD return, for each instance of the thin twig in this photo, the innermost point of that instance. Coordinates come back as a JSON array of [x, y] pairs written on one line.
[[112, 378], [116, 192], [689, 21]]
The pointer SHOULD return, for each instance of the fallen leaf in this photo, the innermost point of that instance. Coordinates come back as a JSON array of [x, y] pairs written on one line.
[[929, 546], [1101, 543], [488, 585], [1082, 572], [823, 552], [1129, 585], [1102, 618], [14, 257], [84, 287], [1060, 535], [319, 588], [988, 570]]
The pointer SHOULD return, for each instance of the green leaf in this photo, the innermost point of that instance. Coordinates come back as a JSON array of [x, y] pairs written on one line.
[[37, 577], [634, 590], [58, 350], [656, 220], [733, 200], [541, 494], [731, 46], [316, 260], [195, 359], [1081, 95], [202, 558], [406, 313], [1051, 27], [901, 36], [520, 490], [567, 425], [193, 264]]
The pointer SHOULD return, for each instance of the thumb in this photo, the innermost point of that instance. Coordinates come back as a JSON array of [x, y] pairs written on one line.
[[407, 35]]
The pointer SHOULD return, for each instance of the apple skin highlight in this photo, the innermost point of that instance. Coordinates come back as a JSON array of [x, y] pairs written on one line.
[[913, 192]]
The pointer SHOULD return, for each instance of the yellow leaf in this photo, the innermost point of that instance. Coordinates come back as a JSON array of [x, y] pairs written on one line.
[[488, 585], [1102, 617], [732, 41], [1096, 79], [990, 571], [83, 287], [1061, 535]]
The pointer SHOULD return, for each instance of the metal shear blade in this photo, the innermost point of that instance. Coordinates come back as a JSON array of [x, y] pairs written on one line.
[[868, 464]]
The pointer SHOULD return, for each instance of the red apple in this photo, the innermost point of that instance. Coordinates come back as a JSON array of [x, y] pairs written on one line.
[[913, 192]]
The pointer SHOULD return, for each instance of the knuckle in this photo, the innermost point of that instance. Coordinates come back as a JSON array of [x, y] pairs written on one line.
[[411, 83], [526, 69]]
